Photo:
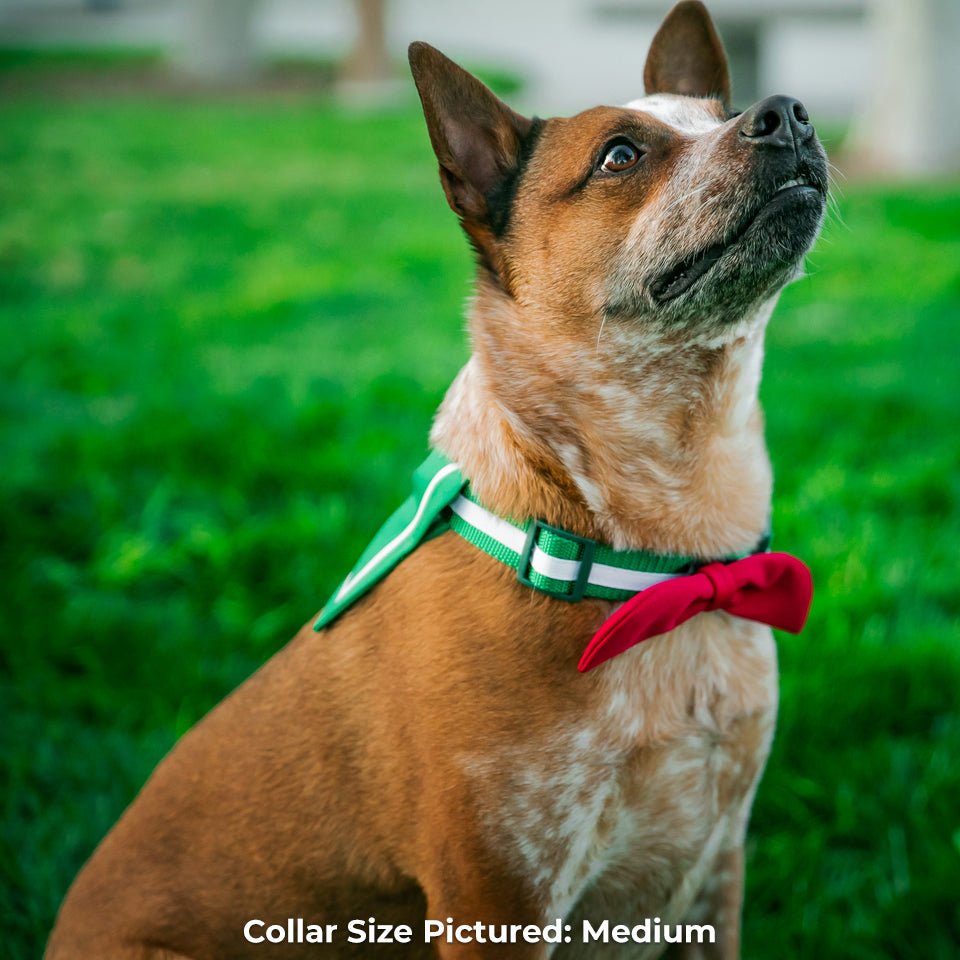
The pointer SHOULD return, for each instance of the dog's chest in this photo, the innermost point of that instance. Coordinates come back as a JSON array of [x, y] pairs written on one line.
[[594, 812], [629, 804]]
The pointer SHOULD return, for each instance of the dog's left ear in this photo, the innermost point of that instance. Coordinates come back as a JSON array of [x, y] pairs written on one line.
[[687, 55], [477, 138]]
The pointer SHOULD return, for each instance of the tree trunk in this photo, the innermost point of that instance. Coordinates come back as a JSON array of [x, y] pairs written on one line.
[[367, 74], [911, 127]]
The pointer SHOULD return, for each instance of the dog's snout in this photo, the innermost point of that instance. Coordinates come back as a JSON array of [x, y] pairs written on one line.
[[777, 121]]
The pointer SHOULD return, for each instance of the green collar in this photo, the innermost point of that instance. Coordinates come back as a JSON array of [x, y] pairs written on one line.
[[550, 560]]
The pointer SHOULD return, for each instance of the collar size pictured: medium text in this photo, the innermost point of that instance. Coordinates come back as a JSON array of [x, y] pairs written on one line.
[[298, 930]]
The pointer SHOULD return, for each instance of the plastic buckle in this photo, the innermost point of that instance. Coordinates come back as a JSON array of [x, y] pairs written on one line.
[[586, 562]]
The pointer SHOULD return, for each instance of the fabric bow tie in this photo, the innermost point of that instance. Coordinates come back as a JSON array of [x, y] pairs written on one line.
[[772, 588]]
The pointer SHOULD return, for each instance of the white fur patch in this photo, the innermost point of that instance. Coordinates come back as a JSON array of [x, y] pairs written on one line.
[[551, 816], [688, 115]]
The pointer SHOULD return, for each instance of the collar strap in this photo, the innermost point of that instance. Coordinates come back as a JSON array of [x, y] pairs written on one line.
[[564, 565], [547, 559]]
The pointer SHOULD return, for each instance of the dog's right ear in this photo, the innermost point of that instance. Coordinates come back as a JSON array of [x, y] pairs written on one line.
[[477, 138]]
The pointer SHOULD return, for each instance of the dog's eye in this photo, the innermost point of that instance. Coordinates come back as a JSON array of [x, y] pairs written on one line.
[[619, 155]]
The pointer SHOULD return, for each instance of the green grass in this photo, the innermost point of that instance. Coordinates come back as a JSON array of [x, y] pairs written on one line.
[[29, 61], [132, 71], [212, 313]]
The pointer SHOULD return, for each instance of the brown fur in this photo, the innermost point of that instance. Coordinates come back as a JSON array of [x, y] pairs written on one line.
[[434, 752]]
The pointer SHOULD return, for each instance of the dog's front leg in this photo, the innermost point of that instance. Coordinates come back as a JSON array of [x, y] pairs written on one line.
[[719, 904], [475, 905], [477, 921]]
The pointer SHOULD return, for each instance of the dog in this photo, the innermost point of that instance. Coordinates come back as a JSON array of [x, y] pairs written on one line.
[[433, 754]]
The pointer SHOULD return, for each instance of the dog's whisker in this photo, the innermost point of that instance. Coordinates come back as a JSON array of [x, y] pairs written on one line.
[[603, 320], [835, 170], [685, 196], [834, 212]]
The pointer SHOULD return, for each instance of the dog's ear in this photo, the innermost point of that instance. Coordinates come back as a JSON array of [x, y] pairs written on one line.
[[687, 55], [477, 138]]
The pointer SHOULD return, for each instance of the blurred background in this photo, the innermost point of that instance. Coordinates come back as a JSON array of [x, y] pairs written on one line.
[[228, 277]]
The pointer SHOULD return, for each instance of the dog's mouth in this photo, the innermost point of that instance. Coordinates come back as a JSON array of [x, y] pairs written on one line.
[[688, 271]]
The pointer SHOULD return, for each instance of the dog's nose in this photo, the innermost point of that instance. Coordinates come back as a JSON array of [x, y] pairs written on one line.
[[777, 121]]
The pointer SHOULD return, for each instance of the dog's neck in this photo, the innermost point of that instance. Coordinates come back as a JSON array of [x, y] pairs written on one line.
[[643, 440]]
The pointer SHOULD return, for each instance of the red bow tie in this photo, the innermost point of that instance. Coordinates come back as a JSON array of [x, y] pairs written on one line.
[[773, 588]]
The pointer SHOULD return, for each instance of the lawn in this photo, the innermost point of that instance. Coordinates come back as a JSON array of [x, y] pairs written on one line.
[[214, 313]]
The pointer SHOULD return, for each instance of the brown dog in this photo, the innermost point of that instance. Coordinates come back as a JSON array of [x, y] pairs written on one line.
[[434, 752]]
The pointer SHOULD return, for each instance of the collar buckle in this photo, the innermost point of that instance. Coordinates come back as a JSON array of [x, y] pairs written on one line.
[[529, 577]]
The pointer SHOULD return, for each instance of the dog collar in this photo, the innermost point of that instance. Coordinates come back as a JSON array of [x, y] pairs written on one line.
[[547, 559], [562, 564], [661, 591]]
